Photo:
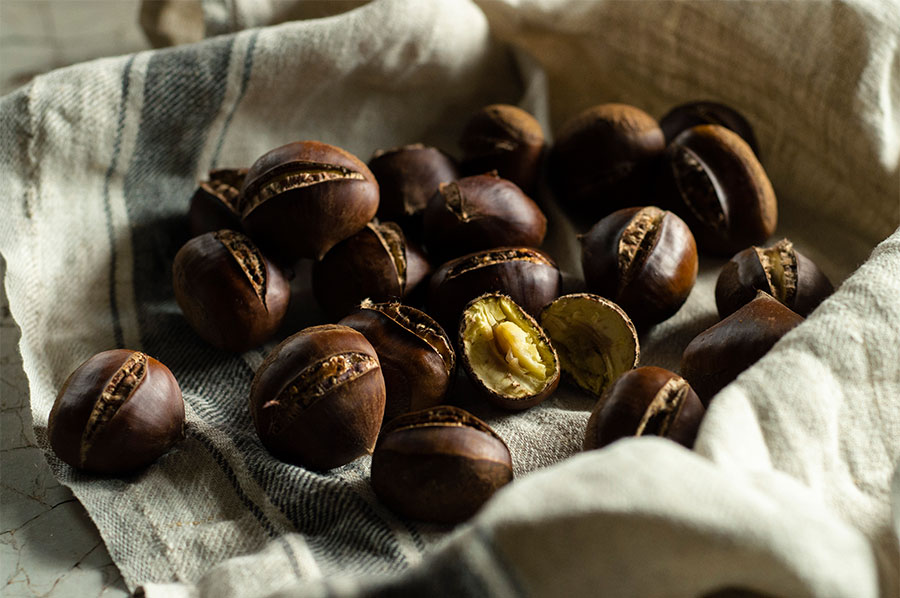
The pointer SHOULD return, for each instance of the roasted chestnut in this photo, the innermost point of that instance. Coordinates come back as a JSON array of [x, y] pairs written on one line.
[[417, 358], [408, 176], [644, 259], [719, 354], [229, 292], [647, 401], [378, 263], [214, 205], [684, 116], [118, 412], [780, 270], [301, 199], [506, 139], [481, 212], [529, 276], [711, 178], [506, 353], [595, 340], [602, 159], [439, 465], [318, 398]]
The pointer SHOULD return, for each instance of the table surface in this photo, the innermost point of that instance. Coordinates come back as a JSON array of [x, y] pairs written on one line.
[[48, 545]]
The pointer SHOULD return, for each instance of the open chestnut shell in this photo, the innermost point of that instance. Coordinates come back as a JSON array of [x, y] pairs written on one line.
[[301, 199], [720, 353], [646, 401], [117, 412], [506, 353], [684, 116], [377, 263], [529, 276], [595, 340], [215, 204], [318, 398], [416, 355], [780, 271], [439, 465]]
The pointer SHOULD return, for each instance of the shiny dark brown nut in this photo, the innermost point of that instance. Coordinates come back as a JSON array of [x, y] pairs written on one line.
[[506, 353], [439, 465], [711, 179], [719, 354], [779, 270], [594, 338], [408, 176], [301, 199], [376, 263], [506, 139], [647, 401], [481, 212], [527, 275], [602, 159], [416, 355], [644, 259], [117, 413], [214, 205], [684, 116], [229, 292], [318, 398]]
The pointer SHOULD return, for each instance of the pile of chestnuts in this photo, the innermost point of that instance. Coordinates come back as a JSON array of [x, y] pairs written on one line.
[[426, 265]]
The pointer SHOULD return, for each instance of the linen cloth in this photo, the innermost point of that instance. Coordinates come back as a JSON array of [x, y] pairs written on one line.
[[793, 488]]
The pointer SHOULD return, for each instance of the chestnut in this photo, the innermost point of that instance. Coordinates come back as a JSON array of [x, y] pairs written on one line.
[[301, 199], [505, 139], [506, 353], [439, 465], [408, 176], [691, 114], [377, 263], [229, 292], [647, 401], [644, 259], [711, 178], [417, 358], [594, 338], [117, 412], [317, 400], [780, 270], [720, 353], [214, 205], [529, 276], [480, 212], [602, 158]]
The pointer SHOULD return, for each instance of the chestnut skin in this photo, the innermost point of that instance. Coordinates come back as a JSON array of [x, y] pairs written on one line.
[[602, 158], [417, 357], [118, 412], [318, 398], [529, 276], [711, 178], [684, 116], [301, 199], [439, 465], [377, 263], [408, 176], [505, 139], [644, 259], [229, 292], [780, 270], [716, 356], [480, 212], [646, 401], [214, 205]]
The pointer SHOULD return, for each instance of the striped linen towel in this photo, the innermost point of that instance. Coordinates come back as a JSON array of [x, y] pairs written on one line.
[[789, 491]]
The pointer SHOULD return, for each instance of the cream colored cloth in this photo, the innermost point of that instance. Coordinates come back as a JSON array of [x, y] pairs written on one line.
[[789, 490]]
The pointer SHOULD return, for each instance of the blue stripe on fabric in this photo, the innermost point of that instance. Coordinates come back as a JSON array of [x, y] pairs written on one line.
[[245, 80], [107, 210]]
